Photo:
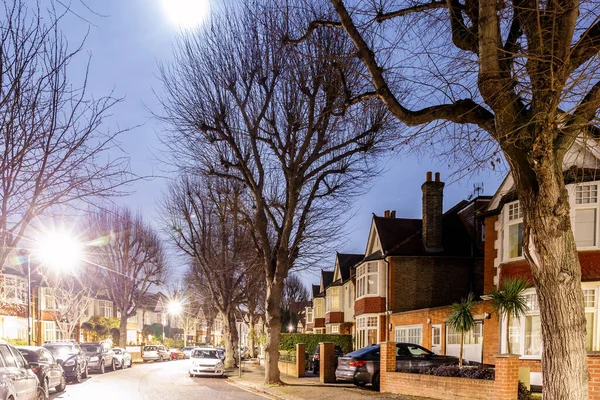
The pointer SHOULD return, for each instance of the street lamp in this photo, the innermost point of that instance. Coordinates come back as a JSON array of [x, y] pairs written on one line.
[[290, 328], [174, 308], [57, 250]]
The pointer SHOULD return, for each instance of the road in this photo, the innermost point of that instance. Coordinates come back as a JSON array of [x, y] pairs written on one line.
[[154, 381]]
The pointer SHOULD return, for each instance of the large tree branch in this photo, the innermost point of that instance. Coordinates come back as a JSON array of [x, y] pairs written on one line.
[[409, 10], [311, 27], [461, 111], [586, 47]]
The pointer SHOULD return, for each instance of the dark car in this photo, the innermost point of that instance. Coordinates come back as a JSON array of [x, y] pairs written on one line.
[[17, 380], [316, 358], [362, 366], [101, 356], [71, 358], [44, 365]]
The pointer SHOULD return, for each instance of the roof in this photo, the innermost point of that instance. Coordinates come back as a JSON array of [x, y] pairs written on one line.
[[346, 262], [316, 290], [326, 278], [404, 237]]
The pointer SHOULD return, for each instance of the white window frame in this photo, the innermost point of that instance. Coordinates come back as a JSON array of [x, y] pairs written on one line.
[[364, 324], [14, 289], [512, 216], [363, 272], [48, 299], [319, 311], [589, 202], [405, 333], [309, 315], [105, 308], [335, 329], [534, 311]]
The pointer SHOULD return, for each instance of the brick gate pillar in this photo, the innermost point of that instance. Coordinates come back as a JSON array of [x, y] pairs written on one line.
[[327, 363], [300, 360], [507, 376]]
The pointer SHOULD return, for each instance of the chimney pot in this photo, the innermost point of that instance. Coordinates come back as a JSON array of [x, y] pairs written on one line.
[[386, 213], [437, 176], [428, 176], [393, 214]]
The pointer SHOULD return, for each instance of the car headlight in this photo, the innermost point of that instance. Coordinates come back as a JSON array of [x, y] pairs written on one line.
[[219, 365], [70, 363], [94, 358]]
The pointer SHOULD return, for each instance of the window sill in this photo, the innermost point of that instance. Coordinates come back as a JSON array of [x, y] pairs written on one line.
[[531, 358], [507, 260], [366, 296]]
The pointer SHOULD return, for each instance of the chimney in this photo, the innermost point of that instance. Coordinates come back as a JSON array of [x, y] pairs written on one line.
[[393, 214], [386, 213], [433, 202]]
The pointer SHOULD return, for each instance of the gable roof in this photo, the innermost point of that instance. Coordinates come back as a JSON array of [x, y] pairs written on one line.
[[316, 291], [346, 262], [326, 279]]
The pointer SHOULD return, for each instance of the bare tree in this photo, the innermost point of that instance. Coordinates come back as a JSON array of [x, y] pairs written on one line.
[[254, 302], [276, 119], [204, 215], [53, 151], [129, 257], [72, 301], [295, 294], [523, 73]]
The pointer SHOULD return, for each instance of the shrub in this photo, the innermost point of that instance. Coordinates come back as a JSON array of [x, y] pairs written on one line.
[[289, 340], [17, 342], [464, 372], [447, 370], [524, 393]]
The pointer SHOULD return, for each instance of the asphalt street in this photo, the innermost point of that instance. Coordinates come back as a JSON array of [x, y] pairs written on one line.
[[154, 381]]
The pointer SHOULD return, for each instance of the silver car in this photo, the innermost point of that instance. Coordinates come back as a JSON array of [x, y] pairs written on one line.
[[155, 352], [17, 380], [123, 358]]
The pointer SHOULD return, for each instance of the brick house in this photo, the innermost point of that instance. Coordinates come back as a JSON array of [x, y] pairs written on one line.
[[504, 254], [415, 268], [315, 315], [339, 295]]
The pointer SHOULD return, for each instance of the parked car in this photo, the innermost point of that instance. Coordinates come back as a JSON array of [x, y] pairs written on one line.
[[316, 358], [362, 366], [101, 356], [206, 361], [17, 379], [71, 358], [155, 352], [45, 367], [176, 354], [221, 352], [187, 351], [124, 359]]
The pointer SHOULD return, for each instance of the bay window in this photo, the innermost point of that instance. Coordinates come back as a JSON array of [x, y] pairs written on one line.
[[309, 315], [367, 280], [106, 308], [319, 312], [14, 289], [525, 332], [333, 299]]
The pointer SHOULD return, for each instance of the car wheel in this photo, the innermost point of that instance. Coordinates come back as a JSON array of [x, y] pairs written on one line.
[[86, 372], [102, 368], [63, 384], [114, 365], [160, 359], [78, 375], [375, 381], [41, 394], [45, 387], [130, 362]]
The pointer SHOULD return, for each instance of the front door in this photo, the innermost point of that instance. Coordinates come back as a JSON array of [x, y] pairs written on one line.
[[436, 339]]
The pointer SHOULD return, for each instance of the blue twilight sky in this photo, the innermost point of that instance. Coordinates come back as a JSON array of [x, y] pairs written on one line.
[[126, 40]]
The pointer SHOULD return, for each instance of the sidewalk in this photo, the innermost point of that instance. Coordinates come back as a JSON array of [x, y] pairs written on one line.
[[308, 388]]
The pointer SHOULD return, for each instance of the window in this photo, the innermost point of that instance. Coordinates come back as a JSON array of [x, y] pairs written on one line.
[[309, 315], [9, 359], [106, 308], [367, 280], [14, 289], [335, 329], [333, 299], [525, 333], [513, 236], [409, 334], [474, 336], [367, 331], [51, 333], [318, 311], [48, 299], [586, 194], [349, 296]]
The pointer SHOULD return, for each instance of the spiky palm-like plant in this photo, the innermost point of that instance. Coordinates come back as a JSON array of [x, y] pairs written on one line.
[[509, 302], [461, 320]]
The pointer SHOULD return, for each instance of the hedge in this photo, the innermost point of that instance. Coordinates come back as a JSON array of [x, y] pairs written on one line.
[[289, 340]]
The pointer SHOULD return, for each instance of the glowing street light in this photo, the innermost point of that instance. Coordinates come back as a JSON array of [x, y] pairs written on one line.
[[59, 251], [174, 308], [290, 328]]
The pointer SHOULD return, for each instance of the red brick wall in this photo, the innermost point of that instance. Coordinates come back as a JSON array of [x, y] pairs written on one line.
[[369, 305], [334, 317], [589, 260], [439, 314], [489, 271], [504, 387], [594, 371], [319, 323]]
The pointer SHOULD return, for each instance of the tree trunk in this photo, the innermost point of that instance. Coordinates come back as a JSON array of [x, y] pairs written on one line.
[[549, 246], [251, 335], [123, 330], [508, 349], [273, 325], [460, 352], [230, 336]]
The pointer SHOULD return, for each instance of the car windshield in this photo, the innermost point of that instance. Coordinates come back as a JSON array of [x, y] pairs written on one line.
[[29, 355], [187, 348], [61, 350], [418, 350], [150, 348], [205, 354], [363, 351], [91, 349], [117, 351]]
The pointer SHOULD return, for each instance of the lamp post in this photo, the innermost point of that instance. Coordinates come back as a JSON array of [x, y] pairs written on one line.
[[29, 299]]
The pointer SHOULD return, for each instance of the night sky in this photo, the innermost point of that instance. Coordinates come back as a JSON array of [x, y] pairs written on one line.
[[126, 41]]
